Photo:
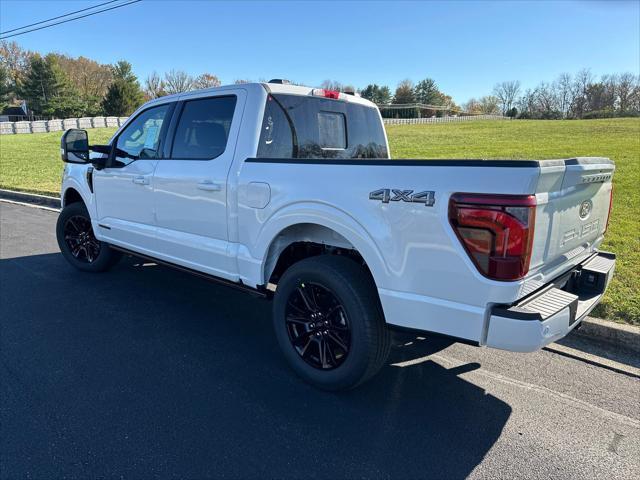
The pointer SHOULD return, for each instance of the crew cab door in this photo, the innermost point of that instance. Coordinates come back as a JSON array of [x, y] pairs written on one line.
[[124, 188], [191, 184]]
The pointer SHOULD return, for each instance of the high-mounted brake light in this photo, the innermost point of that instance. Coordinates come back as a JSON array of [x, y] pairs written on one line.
[[496, 231], [321, 92]]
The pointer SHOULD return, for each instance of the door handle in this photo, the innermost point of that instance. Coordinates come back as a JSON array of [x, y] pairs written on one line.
[[141, 180], [209, 186]]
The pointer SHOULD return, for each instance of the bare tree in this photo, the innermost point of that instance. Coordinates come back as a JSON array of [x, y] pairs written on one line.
[[546, 100], [177, 81], [206, 80], [472, 106], [610, 83], [601, 95], [489, 104], [240, 81], [564, 93], [526, 104], [633, 99], [332, 85], [154, 86], [507, 92], [625, 84], [581, 83]]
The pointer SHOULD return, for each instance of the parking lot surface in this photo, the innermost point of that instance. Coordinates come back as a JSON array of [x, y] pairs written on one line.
[[148, 372]]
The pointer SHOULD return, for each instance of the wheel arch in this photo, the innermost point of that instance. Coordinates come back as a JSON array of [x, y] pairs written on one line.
[[71, 195], [75, 188], [327, 227]]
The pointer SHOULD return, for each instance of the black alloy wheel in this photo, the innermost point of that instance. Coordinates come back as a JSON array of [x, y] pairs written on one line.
[[318, 326], [79, 237], [328, 321]]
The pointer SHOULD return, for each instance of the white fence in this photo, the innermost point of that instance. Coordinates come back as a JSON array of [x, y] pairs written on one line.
[[41, 126], [412, 121]]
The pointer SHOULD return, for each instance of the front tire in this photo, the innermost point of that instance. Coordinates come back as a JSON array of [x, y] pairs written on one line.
[[329, 322], [78, 244]]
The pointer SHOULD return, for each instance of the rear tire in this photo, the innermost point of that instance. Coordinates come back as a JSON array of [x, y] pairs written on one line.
[[78, 243], [329, 322]]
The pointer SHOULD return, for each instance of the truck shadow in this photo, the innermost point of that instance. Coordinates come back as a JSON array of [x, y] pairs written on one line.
[[145, 371]]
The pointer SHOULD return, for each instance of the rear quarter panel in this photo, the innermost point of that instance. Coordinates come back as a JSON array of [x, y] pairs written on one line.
[[409, 247]]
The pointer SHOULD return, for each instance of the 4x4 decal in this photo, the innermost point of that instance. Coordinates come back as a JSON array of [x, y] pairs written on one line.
[[386, 195]]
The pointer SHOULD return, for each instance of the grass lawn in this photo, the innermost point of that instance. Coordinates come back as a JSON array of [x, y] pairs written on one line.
[[32, 163]]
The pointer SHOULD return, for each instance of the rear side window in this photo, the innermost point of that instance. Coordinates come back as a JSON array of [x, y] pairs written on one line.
[[296, 126], [203, 129], [276, 137]]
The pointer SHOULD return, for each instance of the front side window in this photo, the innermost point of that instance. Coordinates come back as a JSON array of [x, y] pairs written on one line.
[[203, 128], [141, 138]]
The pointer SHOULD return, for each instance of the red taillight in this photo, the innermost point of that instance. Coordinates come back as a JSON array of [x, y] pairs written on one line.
[[496, 231], [606, 227], [321, 92]]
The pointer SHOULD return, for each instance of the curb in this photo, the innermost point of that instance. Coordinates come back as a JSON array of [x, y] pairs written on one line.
[[30, 198], [616, 334]]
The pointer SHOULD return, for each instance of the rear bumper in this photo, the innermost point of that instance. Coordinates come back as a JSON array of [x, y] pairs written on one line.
[[553, 311]]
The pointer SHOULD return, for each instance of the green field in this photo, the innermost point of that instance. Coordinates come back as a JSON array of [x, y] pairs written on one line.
[[32, 163]]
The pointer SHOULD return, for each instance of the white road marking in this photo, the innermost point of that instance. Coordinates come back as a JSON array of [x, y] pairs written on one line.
[[563, 397], [605, 362], [32, 205]]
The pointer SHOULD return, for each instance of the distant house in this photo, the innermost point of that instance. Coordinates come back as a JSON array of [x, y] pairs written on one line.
[[16, 114]]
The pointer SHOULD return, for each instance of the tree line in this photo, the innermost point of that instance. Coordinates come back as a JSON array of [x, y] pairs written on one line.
[[57, 85], [568, 96]]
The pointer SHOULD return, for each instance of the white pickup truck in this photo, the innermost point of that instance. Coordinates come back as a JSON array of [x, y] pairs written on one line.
[[289, 192]]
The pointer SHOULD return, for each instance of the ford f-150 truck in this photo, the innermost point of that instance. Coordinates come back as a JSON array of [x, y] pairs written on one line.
[[290, 193]]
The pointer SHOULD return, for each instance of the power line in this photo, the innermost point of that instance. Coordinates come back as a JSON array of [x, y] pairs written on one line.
[[70, 19], [59, 16]]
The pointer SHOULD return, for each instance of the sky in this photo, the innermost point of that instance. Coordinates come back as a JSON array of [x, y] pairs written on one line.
[[465, 46]]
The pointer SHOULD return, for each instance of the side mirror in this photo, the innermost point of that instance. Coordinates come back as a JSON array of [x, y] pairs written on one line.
[[74, 146]]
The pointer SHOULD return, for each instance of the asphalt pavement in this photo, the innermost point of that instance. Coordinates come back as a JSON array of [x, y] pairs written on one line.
[[146, 372]]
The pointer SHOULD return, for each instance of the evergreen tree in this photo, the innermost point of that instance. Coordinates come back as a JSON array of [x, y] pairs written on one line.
[[39, 85], [124, 94], [47, 91], [377, 94], [384, 95], [427, 92]]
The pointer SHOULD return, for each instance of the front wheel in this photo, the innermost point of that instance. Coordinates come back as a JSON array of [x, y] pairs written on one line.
[[78, 244], [329, 323]]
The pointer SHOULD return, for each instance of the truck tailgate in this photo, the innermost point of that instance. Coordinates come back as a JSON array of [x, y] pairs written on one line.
[[573, 199]]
